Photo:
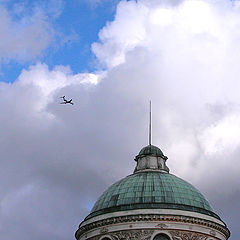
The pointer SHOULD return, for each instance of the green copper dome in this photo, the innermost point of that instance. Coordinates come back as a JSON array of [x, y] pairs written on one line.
[[151, 187], [151, 151], [151, 190]]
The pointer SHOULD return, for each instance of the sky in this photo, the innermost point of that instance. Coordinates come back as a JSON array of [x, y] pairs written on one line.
[[111, 57]]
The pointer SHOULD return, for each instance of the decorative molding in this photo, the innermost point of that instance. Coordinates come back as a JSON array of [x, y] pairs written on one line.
[[103, 230], [129, 235], [183, 235], [150, 218], [212, 232], [132, 235], [161, 225]]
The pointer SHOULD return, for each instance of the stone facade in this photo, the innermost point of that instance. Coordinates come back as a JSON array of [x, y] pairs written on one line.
[[150, 234], [151, 163]]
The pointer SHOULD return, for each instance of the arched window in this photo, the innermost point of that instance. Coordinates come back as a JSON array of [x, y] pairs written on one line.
[[161, 237], [106, 238]]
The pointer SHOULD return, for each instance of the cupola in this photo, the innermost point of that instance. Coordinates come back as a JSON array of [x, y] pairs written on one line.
[[151, 158]]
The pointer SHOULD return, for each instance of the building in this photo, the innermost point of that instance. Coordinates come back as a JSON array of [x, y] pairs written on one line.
[[152, 204]]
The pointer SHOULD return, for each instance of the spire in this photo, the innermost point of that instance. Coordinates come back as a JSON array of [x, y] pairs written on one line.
[[151, 158], [150, 124]]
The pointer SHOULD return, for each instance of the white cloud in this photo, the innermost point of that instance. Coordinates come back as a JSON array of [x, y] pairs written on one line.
[[223, 137], [116, 40]]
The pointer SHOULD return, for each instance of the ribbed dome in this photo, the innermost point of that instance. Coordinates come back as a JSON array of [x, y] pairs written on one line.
[[150, 150], [151, 190]]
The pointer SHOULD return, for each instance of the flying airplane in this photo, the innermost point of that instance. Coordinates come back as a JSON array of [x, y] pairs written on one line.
[[66, 101]]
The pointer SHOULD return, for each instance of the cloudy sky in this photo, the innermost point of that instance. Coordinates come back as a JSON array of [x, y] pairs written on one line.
[[111, 57]]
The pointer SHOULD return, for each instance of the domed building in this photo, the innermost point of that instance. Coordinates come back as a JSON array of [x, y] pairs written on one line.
[[152, 204]]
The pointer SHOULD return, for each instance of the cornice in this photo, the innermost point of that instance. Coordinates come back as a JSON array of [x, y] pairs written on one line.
[[149, 218]]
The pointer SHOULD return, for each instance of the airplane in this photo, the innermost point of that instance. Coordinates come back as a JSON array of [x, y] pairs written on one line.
[[66, 101]]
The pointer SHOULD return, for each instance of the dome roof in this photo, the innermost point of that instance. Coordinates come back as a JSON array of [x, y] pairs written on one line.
[[150, 150], [151, 190]]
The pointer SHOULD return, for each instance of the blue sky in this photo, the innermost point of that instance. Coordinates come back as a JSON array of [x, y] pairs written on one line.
[[76, 24]]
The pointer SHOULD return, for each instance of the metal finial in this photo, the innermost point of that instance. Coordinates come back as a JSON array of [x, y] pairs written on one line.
[[150, 124]]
